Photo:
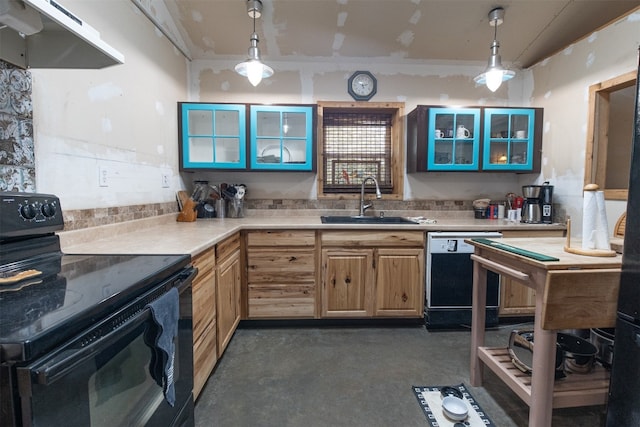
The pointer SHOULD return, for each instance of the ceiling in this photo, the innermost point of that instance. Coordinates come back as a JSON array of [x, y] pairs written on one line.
[[389, 30]]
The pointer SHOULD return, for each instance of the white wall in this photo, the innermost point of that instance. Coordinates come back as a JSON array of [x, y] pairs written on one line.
[[562, 89], [120, 119]]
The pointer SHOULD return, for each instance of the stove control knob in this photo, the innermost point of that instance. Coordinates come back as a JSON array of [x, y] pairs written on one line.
[[28, 211], [48, 210]]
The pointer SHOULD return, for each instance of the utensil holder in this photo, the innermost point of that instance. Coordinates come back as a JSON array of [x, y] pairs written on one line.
[[235, 208], [221, 208]]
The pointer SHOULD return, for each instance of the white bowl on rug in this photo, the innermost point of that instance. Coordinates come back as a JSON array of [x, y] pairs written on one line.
[[455, 408]]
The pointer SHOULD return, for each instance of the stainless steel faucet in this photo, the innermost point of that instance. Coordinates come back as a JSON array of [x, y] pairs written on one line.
[[364, 207]]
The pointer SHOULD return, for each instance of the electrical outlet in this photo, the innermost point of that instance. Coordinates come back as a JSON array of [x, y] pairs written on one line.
[[165, 180], [103, 176]]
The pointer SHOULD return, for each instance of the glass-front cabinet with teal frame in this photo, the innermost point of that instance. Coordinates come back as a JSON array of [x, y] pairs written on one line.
[[282, 138], [453, 137], [509, 139], [480, 139], [213, 136]]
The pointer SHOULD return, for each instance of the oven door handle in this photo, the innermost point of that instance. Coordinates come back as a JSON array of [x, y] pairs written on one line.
[[186, 279], [59, 365]]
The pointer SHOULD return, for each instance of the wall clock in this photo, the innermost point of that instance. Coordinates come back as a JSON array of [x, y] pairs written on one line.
[[362, 85]]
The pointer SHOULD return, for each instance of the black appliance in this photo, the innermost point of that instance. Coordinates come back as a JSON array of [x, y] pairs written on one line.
[[76, 332], [449, 281], [546, 202], [623, 408]]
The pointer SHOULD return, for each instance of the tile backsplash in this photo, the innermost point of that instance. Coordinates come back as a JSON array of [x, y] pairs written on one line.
[[85, 218]]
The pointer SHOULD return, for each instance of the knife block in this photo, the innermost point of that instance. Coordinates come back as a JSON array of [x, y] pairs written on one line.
[[188, 213]]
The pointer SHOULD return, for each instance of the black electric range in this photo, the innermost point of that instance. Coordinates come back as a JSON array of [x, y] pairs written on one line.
[[79, 325], [56, 295]]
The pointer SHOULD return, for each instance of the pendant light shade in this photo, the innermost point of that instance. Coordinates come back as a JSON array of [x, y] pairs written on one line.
[[495, 73], [253, 68]]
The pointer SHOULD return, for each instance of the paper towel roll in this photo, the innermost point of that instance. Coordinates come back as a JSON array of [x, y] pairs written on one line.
[[595, 229]]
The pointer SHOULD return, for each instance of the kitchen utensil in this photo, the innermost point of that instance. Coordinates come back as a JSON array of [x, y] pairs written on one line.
[[573, 354], [521, 353], [579, 354], [455, 408], [182, 197], [602, 339], [221, 208]]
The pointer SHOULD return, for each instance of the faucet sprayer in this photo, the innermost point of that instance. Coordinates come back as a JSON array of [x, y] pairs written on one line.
[[364, 207]]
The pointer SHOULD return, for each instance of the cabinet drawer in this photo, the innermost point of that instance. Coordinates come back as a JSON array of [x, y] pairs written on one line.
[[227, 247], [205, 356], [278, 300], [373, 238], [280, 265], [204, 302], [281, 238]]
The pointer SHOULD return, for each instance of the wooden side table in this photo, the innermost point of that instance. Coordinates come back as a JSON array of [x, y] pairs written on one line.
[[574, 292]]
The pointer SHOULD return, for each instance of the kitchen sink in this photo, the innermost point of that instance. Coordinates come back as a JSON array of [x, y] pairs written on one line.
[[366, 220]]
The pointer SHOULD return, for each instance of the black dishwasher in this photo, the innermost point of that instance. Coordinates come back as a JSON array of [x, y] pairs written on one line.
[[449, 281]]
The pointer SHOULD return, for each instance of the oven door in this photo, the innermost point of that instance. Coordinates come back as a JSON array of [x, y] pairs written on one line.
[[107, 381]]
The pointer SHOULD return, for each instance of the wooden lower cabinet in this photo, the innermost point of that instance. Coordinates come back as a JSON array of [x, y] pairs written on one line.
[[399, 282], [281, 274], [517, 300], [372, 274], [347, 289], [228, 278], [205, 353]]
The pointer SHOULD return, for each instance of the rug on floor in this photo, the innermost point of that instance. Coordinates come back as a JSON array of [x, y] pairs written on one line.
[[430, 401]]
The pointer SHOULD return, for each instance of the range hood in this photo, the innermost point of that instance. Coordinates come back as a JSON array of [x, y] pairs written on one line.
[[44, 34]]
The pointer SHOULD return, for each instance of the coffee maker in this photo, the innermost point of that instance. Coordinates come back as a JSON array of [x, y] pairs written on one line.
[[546, 202], [531, 208]]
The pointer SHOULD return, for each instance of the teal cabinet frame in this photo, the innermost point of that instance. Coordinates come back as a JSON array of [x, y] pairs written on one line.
[[212, 136], [449, 148], [509, 139], [282, 138], [503, 139]]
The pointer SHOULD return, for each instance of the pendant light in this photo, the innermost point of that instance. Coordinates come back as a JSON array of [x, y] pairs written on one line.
[[495, 73], [253, 68]]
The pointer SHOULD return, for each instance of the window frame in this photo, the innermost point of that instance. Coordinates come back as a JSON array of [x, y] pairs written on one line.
[[597, 133], [397, 144]]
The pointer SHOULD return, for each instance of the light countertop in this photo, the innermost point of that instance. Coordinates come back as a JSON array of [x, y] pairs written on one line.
[[164, 235]]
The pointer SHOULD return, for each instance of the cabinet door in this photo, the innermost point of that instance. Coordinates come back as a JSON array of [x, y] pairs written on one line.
[[399, 282], [347, 282], [453, 136], [509, 137], [228, 299], [212, 136], [282, 138], [205, 354]]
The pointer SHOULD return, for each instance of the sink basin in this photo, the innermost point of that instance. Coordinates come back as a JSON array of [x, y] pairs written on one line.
[[366, 220]]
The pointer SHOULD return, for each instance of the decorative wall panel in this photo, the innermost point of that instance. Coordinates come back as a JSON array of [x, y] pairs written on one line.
[[17, 161]]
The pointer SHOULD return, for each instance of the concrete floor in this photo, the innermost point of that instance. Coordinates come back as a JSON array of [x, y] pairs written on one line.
[[353, 376]]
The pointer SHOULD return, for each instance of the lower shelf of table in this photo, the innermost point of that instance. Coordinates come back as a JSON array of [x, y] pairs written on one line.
[[574, 390]]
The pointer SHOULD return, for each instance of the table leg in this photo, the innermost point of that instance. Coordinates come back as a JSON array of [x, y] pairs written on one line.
[[478, 316], [543, 370]]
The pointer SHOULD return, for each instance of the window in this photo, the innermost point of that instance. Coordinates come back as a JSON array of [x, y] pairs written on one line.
[[610, 135], [359, 140]]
